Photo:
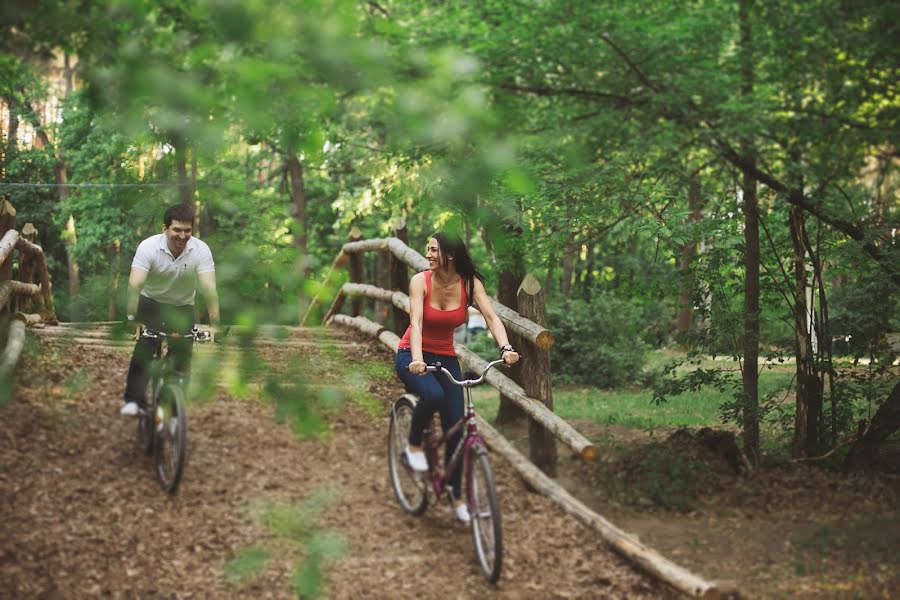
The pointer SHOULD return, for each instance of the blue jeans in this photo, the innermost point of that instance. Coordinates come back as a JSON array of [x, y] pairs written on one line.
[[436, 394]]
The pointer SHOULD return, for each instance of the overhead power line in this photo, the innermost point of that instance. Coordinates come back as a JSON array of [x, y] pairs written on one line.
[[5, 184]]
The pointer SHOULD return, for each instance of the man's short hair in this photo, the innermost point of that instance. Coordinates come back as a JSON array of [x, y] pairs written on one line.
[[179, 212]]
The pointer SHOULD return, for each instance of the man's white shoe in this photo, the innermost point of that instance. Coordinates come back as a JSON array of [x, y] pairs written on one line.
[[416, 460], [130, 409], [462, 513]]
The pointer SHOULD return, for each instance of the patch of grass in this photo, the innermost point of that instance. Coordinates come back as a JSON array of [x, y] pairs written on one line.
[[635, 408], [657, 475]]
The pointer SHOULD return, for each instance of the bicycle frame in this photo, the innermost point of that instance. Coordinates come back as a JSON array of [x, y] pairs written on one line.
[[160, 369], [440, 477]]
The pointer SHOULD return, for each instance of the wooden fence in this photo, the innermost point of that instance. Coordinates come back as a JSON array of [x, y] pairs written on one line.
[[540, 340], [21, 293]]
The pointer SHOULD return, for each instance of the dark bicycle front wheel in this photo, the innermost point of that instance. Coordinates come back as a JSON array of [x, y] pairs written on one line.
[[170, 447], [484, 511], [147, 419], [410, 488]]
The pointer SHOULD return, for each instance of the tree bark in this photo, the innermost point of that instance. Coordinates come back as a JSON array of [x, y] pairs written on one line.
[[749, 371], [568, 268], [298, 204], [12, 141], [808, 396], [74, 270], [535, 380], [688, 254], [185, 189], [113, 254]]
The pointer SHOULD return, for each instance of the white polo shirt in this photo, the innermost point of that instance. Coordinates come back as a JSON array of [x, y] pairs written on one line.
[[172, 280]]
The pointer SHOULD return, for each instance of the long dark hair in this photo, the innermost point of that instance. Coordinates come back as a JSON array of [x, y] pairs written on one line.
[[453, 246]]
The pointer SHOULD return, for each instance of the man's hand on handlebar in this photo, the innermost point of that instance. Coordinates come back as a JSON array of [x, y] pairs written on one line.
[[510, 357]]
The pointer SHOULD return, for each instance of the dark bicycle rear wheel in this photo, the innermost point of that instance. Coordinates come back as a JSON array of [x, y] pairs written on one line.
[[410, 488], [484, 510], [170, 446]]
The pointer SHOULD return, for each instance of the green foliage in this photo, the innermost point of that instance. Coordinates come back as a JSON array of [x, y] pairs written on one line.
[[291, 530], [246, 563], [597, 342]]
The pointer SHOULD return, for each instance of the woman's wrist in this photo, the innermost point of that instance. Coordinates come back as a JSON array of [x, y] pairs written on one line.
[[506, 348]]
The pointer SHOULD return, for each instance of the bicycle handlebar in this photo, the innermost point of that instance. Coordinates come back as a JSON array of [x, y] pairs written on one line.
[[464, 382], [195, 334]]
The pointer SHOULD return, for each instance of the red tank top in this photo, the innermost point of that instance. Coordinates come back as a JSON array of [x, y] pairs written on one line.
[[438, 325]]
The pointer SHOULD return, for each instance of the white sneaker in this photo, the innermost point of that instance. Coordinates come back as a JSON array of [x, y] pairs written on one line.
[[130, 409], [462, 513], [416, 460]]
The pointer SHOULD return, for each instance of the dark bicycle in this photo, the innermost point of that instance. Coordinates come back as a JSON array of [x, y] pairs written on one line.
[[411, 488], [162, 420]]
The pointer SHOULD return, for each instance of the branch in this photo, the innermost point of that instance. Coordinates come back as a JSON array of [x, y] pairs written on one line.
[[631, 64], [621, 101]]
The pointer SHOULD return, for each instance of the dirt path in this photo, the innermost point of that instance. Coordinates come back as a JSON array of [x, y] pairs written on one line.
[[81, 516]]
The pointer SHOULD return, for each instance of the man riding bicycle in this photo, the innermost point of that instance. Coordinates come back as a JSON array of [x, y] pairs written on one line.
[[166, 271]]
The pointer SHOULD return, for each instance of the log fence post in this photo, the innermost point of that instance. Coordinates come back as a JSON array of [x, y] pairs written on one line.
[[356, 272], [399, 277], [535, 377], [26, 266], [382, 280], [7, 222]]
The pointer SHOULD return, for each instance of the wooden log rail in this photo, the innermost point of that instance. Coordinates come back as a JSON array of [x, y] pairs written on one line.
[[629, 547], [538, 335], [15, 341]]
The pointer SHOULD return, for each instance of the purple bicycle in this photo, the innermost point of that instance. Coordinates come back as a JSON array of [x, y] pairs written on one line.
[[411, 488]]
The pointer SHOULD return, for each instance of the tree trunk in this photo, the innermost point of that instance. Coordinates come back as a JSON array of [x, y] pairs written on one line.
[[535, 380], [113, 255], [298, 204], [11, 141], [511, 274], [185, 189], [74, 277], [750, 372], [808, 401], [587, 276], [399, 278], [886, 421], [568, 267], [688, 254]]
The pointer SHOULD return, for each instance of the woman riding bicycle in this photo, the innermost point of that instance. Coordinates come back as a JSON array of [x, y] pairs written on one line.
[[438, 303]]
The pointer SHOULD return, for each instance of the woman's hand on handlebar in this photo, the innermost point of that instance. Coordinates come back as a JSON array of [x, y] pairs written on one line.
[[510, 357], [417, 367]]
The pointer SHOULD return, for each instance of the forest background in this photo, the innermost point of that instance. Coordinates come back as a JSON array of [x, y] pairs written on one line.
[[714, 176]]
